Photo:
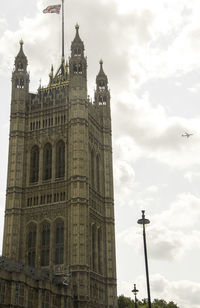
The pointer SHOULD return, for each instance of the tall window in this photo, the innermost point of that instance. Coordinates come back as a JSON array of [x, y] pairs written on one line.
[[59, 243], [99, 251], [92, 168], [34, 163], [32, 298], [98, 172], [2, 292], [31, 243], [20, 67], [80, 68], [47, 159], [19, 295], [56, 301], [93, 247], [45, 299], [45, 244], [60, 159], [75, 69]]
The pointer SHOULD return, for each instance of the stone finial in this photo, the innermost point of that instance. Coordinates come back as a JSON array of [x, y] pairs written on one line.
[[21, 43]]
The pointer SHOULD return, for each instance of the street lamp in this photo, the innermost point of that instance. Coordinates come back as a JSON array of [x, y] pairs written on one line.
[[144, 222], [135, 291]]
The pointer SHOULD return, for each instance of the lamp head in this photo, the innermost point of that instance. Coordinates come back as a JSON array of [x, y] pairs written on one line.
[[143, 221], [135, 291]]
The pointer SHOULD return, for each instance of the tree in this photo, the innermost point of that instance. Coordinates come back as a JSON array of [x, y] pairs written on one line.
[[127, 302]]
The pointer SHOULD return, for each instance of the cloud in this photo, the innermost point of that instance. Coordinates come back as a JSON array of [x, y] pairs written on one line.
[[152, 133], [172, 233], [191, 176], [183, 213], [184, 293], [3, 23]]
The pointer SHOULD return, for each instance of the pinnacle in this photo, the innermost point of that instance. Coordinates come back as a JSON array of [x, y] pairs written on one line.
[[77, 40], [21, 42]]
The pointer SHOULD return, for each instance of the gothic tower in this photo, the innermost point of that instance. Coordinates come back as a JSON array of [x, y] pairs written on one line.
[[59, 205]]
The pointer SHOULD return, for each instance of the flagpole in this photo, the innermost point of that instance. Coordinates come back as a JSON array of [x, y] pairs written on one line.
[[63, 52]]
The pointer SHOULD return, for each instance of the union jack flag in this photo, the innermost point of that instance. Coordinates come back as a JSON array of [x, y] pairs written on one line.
[[52, 9]]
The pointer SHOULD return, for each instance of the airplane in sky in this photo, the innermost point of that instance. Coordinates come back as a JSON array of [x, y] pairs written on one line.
[[186, 134]]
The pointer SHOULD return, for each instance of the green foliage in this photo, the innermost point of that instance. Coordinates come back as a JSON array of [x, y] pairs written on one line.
[[127, 302]]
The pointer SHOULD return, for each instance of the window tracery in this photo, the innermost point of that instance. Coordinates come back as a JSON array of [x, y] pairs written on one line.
[[47, 159], [34, 163], [98, 172], [93, 231], [59, 242], [60, 159], [92, 168], [99, 250], [45, 244], [31, 243]]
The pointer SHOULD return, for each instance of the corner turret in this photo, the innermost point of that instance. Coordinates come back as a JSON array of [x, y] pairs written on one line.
[[77, 47], [102, 94], [77, 62], [20, 77], [21, 62]]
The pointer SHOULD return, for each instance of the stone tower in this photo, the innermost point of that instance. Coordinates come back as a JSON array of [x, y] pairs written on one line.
[[59, 205]]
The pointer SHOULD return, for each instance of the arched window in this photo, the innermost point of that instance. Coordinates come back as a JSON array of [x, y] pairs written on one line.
[[47, 160], [99, 238], [34, 163], [100, 100], [75, 69], [93, 238], [60, 159], [59, 242], [92, 168], [80, 68], [101, 85], [45, 244], [98, 172], [31, 244], [77, 52], [21, 83], [20, 67]]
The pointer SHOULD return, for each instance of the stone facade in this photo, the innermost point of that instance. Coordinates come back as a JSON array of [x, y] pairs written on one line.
[[59, 214], [24, 286]]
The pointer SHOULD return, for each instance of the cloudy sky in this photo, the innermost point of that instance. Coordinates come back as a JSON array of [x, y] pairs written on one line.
[[151, 56]]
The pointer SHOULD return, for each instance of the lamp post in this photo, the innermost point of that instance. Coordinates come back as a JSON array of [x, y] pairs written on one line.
[[135, 291], [143, 221]]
